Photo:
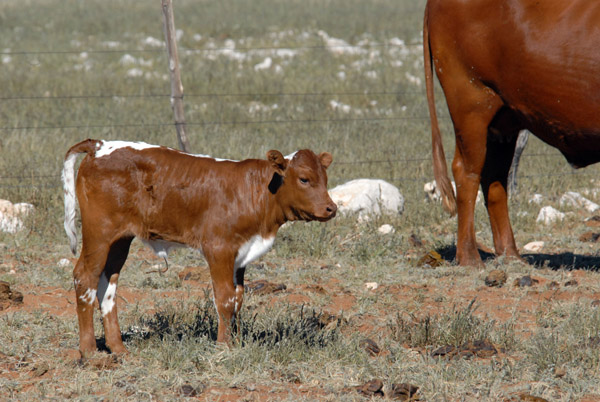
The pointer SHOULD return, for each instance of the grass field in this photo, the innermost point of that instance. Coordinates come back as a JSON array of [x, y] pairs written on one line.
[[338, 76]]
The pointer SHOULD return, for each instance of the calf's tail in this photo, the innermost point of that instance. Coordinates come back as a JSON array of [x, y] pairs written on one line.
[[440, 169], [68, 177]]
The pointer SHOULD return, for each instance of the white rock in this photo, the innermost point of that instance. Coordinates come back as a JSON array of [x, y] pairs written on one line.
[[150, 41], [386, 229], [433, 194], [64, 263], [127, 59], [367, 197], [135, 72], [536, 199], [264, 65], [534, 246], [576, 200], [549, 215], [371, 285], [11, 214], [335, 105]]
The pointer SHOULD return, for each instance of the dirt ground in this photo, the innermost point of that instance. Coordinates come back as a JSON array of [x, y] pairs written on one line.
[[413, 300]]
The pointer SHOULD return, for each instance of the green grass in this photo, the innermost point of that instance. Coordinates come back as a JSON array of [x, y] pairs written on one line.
[[71, 70]]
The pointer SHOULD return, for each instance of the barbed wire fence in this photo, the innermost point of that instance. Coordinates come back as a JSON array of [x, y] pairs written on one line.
[[31, 179]]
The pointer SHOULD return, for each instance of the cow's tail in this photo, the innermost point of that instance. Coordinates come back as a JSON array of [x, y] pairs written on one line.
[[68, 177], [440, 169]]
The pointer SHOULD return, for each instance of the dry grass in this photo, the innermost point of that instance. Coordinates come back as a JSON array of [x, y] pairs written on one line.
[[306, 342]]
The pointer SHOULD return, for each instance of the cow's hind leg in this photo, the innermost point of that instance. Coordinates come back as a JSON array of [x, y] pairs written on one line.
[[472, 111], [107, 293], [502, 138]]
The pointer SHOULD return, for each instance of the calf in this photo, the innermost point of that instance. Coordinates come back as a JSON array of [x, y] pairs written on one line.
[[228, 210]]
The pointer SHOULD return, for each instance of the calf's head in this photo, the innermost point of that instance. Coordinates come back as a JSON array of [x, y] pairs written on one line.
[[300, 185]]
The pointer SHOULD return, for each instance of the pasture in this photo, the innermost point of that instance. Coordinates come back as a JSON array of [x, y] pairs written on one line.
[[343, 76]]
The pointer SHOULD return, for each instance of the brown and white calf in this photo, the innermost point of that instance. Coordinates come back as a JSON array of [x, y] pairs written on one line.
[[228, 210]]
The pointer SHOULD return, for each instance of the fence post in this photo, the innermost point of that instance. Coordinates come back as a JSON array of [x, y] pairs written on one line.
[[512, 174], [176, 85]]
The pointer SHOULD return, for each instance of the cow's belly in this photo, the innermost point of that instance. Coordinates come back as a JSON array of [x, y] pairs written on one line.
[[580, 146]]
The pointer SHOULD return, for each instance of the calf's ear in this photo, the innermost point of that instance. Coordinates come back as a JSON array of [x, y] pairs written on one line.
[[278, 161], [326, 159]]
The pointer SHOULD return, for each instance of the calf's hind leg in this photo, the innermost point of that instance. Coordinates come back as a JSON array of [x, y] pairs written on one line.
[[85, 278], [107, 294]]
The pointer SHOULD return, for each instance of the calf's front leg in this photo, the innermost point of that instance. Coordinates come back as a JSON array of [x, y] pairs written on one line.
[[228, 295]]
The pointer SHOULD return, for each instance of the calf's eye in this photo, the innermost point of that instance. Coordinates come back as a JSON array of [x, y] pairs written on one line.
[[303, 180]]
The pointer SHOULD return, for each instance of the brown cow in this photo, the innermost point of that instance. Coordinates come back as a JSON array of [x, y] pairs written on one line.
[[504, 66], [228, 210]]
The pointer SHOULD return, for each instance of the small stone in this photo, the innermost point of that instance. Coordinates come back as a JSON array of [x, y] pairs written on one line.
[[371, 285], [525, 281], [496, 278], [64, 263], [370, 346], [571, 282], [534, 246], [444, 351], [40, 369], [432, 259], [403, 392], [16, 297], [386, 229], [560, 371], [9, 297], [192, 273], [553, 285], [373, 387], [536, 199], [549, 215], [415, 240], [4, 290], [188, 391], [263, 286], [480, 348], [531, 398]]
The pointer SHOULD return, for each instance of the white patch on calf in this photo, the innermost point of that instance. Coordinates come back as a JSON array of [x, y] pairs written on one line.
[[108, 147], [291, 156], [213, 158], [106, 294], [89, 296], [229, 302], [108, 302], [238, 290], [254, 248]]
